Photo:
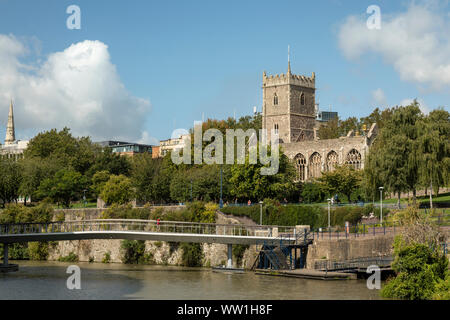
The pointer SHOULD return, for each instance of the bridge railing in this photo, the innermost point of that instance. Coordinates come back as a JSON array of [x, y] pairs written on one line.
[[144, 226]]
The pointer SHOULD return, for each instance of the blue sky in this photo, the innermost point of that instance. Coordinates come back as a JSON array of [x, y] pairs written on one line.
[[188, 58]]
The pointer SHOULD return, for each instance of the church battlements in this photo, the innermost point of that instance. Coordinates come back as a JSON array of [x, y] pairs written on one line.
[[289, 79]]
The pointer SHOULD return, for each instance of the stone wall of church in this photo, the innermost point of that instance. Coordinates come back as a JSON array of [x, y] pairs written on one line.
[[342, 147]]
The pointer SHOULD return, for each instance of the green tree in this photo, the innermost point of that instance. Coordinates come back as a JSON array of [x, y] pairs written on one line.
[[67, 185], [10, 180], [329, 130], [98, 181], [63, 148], [312, 192], [118, 190], [434, 141], [395, 156], [344, 179], [34, 171], [419, 269], [105, 160], [247, 182]]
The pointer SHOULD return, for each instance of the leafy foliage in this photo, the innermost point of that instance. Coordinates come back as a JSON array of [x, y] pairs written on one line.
[[118, 190], [344, 179], [418, 269], [192, 254]]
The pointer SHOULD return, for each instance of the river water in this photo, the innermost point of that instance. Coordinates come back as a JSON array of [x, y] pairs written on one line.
[[47, 280]]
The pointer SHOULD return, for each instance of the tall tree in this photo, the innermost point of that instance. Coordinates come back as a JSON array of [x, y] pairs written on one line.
[[10, 180], [344, 179], [398, 151], [434, 132]]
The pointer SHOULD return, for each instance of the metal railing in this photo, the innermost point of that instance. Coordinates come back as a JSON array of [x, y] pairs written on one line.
[[143, 226], [353, 264], [367, 230]]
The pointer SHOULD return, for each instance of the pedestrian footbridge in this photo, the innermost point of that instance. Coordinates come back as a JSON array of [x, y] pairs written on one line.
[[170, 231]]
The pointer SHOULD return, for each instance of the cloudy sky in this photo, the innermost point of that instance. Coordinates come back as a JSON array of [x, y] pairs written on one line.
[[137, 70]]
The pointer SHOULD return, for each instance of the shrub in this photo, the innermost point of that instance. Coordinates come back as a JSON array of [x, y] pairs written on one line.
[[312, 192], [38, 251], [442, 290], [238, 252], [419, 271], [18, 251], [72, 257], [134, 252], [106, 257], [192, 254]]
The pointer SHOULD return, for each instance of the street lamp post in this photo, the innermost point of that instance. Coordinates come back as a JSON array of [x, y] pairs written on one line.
[[221, 178], [381, 204], [329, 222], [84, 198], [260, 212]]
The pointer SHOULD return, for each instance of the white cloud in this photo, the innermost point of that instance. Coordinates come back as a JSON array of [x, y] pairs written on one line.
[[78, 88], [378, 97], [415, 42], [423, 107]]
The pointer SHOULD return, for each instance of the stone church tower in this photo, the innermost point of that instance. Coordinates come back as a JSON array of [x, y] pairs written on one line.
[[289, 106], [10, 131]]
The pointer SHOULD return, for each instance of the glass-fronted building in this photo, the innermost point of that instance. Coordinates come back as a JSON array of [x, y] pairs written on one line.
[[126, 148]]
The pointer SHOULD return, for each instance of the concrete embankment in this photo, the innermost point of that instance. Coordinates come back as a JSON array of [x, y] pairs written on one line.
[[347, 249]]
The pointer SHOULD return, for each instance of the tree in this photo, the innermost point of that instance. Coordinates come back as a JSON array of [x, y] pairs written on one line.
[[203, 181], [378, 117], [106, 160], [395, 155], [63, 148], [98, 181], [143, 172], [421, 269], [434, 133], [67, 185], [10, 180], [329, 130], [34, 171], [247, 182], [118, 190], [312, 192], [344, 179]]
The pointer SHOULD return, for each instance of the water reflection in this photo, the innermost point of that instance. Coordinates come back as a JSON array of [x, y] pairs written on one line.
[[47, 280]]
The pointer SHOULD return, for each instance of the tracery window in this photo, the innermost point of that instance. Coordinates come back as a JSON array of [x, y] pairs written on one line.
[[302, 99], [332, 160], [315, 165], [354, 159], [300, 165]]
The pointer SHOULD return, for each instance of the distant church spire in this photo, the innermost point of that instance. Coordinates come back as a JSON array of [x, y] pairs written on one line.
[[10, 131]]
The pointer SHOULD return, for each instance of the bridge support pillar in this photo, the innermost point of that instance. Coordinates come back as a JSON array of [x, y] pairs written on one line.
[[5, 254], [230, 256]]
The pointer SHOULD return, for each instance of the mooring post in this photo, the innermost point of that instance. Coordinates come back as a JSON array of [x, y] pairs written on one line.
[[230, 256], [5, 254]]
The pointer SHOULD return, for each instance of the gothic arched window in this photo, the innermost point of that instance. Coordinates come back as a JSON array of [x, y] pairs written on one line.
[[354, 159], [275, 100], [315, 165], [332, 160], [300, 165], [302, 99]]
